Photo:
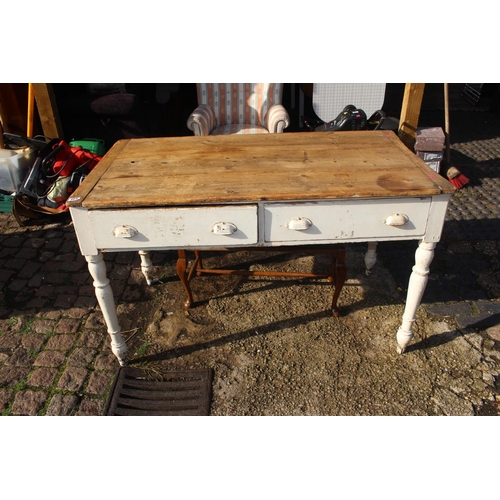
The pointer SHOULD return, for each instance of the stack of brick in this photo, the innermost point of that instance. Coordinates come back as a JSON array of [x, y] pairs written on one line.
[[429, 145]]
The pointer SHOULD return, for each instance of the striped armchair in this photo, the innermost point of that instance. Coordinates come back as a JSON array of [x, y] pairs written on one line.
[[238, 108]]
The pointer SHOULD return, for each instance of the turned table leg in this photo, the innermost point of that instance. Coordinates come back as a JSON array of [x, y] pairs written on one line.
[[104, 294], [416, 288], [183, 276], [370, 257], [146, 266]]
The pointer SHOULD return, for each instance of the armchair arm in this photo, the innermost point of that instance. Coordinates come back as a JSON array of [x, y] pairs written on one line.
[[202, 120], [276, 119]]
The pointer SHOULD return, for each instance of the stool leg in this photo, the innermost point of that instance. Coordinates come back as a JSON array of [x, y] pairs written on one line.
[[331, 269], [198, 262], [181, 268], [194, 269], [340, 277]]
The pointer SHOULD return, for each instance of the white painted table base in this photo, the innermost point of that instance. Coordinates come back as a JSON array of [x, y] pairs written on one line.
[[418, 281]]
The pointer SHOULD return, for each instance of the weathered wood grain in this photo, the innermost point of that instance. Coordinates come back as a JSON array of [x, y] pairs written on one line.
[[243, 168]]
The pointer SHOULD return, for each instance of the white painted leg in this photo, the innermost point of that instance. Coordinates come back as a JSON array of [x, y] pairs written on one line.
[[371, 257], [416, 288], [146, 266], [104, 294]]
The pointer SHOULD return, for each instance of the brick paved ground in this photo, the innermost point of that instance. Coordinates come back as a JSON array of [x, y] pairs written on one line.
[[54, 353]]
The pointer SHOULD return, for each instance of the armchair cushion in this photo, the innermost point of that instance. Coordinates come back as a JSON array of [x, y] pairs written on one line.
[[239, 129]]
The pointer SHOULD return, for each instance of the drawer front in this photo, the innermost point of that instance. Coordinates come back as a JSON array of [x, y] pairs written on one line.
[[346, 220], [174, 227]]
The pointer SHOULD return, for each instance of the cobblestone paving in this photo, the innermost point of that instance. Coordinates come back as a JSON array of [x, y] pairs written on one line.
[[54, 354], [55, 358]]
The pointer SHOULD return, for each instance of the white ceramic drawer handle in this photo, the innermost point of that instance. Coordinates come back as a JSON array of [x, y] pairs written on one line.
[[396, 220], [124, 231], [223, 228], [299, 224]]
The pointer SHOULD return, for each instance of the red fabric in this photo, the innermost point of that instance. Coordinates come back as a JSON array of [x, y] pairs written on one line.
[[71, 157]]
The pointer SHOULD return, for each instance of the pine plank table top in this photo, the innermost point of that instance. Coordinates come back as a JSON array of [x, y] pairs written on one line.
[[250, 168]]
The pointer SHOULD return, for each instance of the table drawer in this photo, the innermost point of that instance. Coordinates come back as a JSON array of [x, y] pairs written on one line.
[[174, 227], [346, 220]]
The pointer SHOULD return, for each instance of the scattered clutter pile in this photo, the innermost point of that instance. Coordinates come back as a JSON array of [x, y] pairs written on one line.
[[352, 118], [37, 177]]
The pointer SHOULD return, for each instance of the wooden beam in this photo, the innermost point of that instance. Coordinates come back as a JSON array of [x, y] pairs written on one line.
[[47, 110], [410, 112], [13, 107]]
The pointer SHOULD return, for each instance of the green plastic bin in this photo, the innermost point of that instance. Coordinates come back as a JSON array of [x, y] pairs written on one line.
[[6, 203], [95, 146]]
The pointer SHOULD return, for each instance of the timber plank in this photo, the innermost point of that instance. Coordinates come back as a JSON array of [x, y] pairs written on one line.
[[241, 169]]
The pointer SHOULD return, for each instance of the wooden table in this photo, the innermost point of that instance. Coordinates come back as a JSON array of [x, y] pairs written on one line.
[[266, 190]]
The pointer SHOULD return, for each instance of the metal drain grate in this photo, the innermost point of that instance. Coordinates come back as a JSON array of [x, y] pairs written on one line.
[[179, 393]]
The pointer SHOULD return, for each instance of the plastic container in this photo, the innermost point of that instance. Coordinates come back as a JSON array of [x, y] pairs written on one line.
[[95, 146], [14, 166], [6, 203]]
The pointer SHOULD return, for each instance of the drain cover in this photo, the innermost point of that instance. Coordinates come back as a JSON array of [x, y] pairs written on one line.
[[178, 393]]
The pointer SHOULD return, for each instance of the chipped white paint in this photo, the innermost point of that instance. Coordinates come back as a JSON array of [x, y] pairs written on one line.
[[146, 266], [173, 228], [265, 224], [347, 220], [416, 288], [104, 294]]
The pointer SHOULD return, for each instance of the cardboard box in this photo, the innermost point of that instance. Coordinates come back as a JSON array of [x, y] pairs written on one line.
[[430, 155], [435, 165]]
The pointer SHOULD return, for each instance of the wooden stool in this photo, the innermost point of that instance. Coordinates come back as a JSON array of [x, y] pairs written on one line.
[[336, 272]]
